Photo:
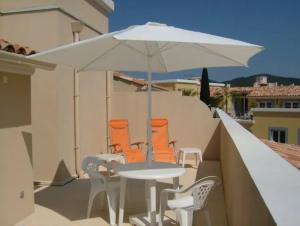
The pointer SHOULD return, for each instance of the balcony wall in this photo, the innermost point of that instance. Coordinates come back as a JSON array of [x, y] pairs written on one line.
[[188, 117], [260, 187]]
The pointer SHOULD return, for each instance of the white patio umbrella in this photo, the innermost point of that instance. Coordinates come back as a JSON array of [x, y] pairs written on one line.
[[151, 47]]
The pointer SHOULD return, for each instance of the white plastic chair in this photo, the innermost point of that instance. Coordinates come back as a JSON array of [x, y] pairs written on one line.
[[99, 183], [195, 198]]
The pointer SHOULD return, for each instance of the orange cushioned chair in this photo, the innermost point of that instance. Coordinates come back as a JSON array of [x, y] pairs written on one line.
[[163, 152], [120, 142]]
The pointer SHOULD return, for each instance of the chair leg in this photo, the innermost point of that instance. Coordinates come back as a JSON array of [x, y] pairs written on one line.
[[196, 155], [200, 157], [112, 197], [90, 204], [206, 212], [185, 217]]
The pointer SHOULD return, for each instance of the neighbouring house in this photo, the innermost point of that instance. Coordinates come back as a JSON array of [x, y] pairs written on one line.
[[269, 110], [16, 157], [188, 87]]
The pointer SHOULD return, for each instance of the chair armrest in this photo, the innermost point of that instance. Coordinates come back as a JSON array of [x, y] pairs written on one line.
[[116, 148], [173, 142], [184, 190], [139, 144]]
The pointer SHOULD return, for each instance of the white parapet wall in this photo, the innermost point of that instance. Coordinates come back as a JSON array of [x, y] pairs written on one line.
[[261, 188]]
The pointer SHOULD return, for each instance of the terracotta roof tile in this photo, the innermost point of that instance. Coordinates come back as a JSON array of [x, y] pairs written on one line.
[[276, 91], [290, 152], [135, 81], [15, 48], [262, 91]]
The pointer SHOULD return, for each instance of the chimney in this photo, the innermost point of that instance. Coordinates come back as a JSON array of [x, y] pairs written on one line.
[[261, 80]]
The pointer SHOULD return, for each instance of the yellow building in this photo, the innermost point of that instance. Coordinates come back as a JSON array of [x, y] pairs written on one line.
[[277, 124], [188, 87]]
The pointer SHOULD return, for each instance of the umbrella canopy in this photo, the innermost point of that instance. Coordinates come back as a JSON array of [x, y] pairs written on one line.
[[152, 47], [169, 49]]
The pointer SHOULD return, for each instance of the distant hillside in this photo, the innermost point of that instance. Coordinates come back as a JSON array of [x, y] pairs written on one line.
[[248, 81]]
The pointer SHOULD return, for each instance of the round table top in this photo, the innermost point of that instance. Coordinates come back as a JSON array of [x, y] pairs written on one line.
[[158, 170], [110, 157], [190, 150]]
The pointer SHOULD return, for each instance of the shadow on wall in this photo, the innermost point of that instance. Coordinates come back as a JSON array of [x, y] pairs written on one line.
[[212, 149], [216, 201], [28, 142], [61, 174], [15, 101]]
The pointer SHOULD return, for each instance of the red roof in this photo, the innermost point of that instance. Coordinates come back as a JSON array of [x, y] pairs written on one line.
[[138, 82], [15, 48], [289, 152]]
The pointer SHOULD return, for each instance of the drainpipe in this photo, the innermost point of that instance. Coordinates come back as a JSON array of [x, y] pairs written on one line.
[[108, 97], [77, 27]]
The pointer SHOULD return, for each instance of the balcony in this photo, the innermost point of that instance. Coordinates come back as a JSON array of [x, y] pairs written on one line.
[[258, 186]]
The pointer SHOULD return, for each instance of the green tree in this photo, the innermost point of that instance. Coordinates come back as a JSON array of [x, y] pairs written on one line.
[[189, 92]]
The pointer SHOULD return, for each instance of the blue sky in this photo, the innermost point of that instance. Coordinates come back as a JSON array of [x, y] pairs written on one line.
[[274, 24]]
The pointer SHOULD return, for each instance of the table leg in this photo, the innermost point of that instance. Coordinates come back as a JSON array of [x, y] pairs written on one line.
[[151, 200], [122, 200]]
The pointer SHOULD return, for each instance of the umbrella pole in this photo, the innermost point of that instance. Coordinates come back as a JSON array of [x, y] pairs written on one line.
[[149, 124]]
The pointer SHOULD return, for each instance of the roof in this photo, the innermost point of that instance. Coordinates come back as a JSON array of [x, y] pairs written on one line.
[[137, 82], [290, 152], [262, 91], [15, 48], [186, 81], [275, 91]]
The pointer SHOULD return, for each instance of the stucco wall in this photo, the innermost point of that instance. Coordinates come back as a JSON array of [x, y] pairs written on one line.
[[16, 190], [52, 92], [190, 121], [244, 205], [265, 120]]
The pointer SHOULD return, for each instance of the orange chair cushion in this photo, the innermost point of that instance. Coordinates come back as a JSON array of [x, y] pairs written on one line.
[[119, 134], [134, 155], [160, 138]]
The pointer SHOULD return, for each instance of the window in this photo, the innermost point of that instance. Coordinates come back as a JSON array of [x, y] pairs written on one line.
[[265, 104], [278, 134], [291, 104]]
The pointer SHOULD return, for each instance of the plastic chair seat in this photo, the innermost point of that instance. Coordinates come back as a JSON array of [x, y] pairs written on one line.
[[181, 203]]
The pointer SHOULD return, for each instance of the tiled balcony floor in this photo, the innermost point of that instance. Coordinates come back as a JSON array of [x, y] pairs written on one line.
[[67, 205]]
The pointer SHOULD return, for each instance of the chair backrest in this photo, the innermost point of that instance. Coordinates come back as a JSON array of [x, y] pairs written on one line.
[[119, 134], [201, 190], [160, 134], [90, 165]]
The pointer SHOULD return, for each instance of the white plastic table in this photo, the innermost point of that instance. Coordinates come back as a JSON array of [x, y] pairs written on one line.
[[141, 171], [184, 151], [110, 157]]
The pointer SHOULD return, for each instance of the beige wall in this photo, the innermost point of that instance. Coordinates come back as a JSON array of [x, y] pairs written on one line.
[[243, 202], [265, 120], [122, 86], [52, 92], [15, 149], [190, 121]]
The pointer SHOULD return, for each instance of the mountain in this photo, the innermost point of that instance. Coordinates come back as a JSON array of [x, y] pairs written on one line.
[[248, 81]]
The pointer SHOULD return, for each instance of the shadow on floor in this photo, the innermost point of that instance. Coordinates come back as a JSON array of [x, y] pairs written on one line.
[[71, 200]]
